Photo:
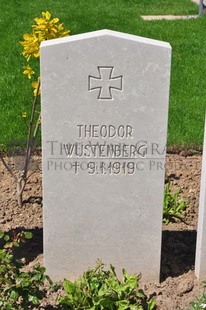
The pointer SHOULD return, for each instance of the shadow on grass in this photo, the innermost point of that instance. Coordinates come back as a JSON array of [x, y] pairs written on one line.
[[178, 253]]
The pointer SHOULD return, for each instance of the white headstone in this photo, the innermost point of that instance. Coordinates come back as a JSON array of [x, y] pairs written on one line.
[[200, 261], [105, 110]]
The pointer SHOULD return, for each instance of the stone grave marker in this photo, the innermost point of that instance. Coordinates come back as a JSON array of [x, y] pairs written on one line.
[[200, 260], [104, 116]]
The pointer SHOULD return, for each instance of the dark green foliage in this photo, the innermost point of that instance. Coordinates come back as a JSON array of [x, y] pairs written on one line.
[[18, 289]]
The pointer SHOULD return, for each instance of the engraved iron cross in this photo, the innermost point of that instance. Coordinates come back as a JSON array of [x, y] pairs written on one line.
[[105, 82]]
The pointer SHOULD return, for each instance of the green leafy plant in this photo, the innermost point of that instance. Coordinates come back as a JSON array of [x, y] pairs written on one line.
[[18, 289], [101, 289], [199, 304], [173, 205]]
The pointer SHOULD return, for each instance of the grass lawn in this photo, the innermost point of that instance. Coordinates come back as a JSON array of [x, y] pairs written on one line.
[[187, 38]]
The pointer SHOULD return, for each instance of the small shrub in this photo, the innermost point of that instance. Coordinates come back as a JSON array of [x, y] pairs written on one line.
[[173, 205], [99, 289], [18, 289], [45, 28]]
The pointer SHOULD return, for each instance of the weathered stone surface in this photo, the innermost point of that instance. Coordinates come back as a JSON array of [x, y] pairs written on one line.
[[105, 110]]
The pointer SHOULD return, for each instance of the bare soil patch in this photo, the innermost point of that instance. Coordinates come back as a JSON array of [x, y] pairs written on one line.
[[178, 286]]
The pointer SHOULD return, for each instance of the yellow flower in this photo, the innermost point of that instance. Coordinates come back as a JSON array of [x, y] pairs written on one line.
[[23, 114], [28, 71], [35, 85], [31, 45], [46, 15], [47, 28]]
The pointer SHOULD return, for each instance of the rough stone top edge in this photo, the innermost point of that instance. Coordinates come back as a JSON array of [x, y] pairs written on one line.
[[105, 32]]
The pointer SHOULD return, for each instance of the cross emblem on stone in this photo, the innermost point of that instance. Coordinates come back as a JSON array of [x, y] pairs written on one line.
[[105, 82]]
